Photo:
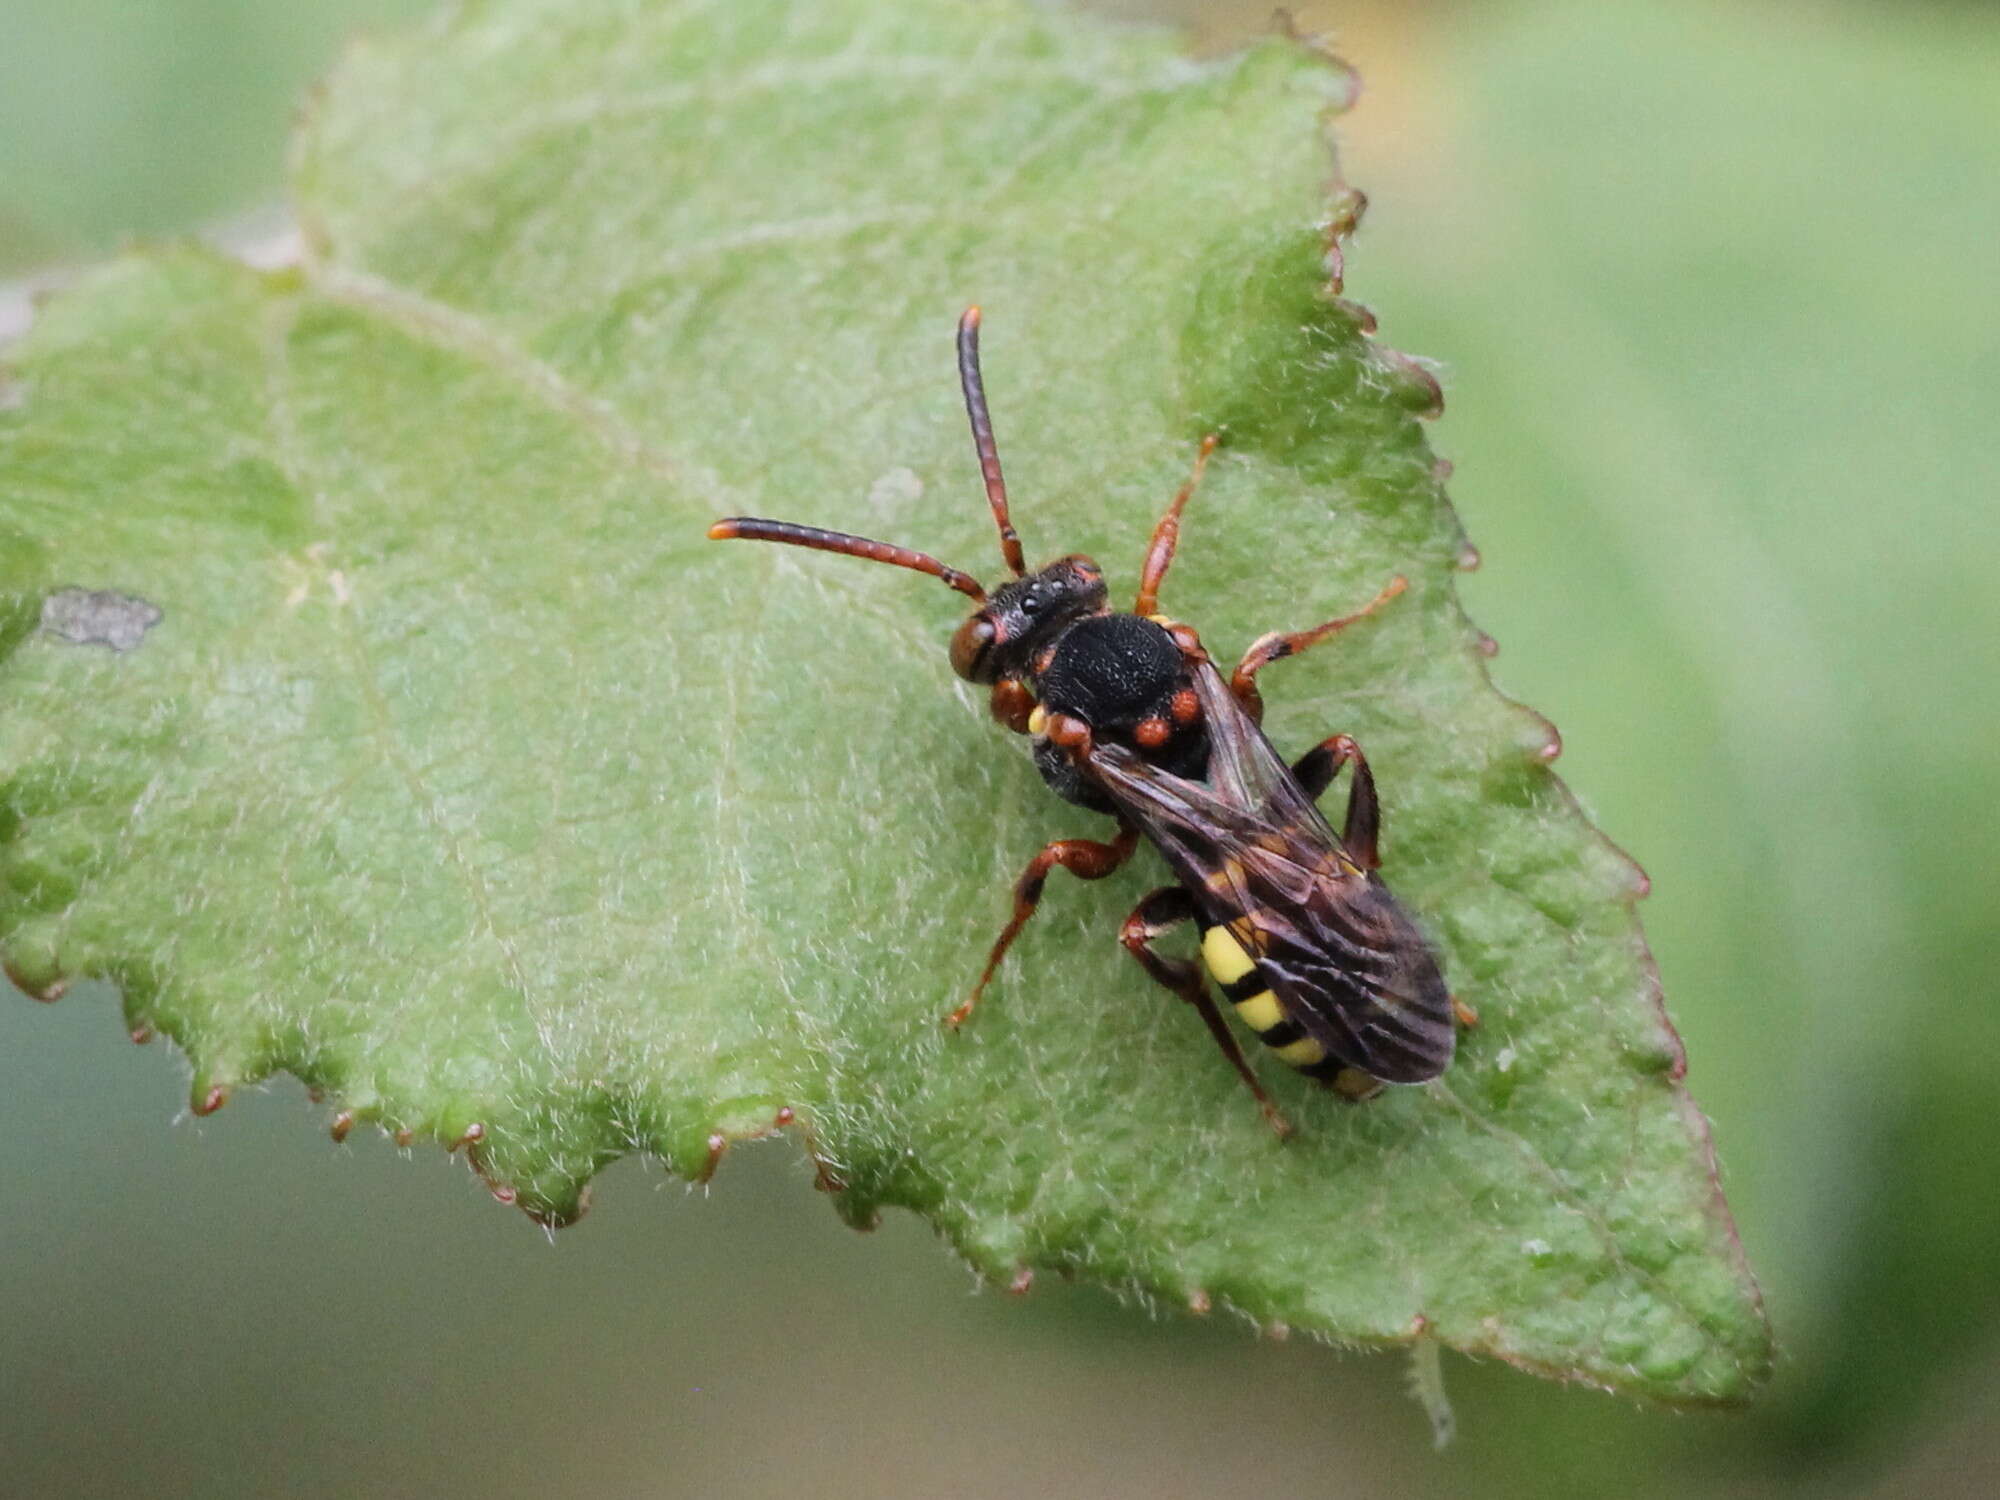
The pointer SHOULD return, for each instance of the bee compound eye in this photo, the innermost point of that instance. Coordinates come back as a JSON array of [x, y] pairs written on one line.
[[971, 645]]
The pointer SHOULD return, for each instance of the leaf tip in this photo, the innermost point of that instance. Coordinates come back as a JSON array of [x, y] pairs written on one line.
[[471, 1135], [47, 988], [1413, 384], [1360, 314], [1344, 84], [553, 1215], [718, 1145], [1344, 209], [1538, 738]]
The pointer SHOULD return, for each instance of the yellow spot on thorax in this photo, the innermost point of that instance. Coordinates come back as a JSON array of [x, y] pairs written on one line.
[[1225, 957], [1038, 720]]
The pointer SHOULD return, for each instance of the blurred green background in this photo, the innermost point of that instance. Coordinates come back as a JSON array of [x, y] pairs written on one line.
[[1711, 289]]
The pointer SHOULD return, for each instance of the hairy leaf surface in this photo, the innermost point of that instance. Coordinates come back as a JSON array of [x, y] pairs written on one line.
[[414, 740]]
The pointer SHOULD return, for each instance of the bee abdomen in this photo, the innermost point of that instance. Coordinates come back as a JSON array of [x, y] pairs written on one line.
[[1244, 986]]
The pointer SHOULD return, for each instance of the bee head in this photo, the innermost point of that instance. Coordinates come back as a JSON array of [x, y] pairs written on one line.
[[1002, 637]]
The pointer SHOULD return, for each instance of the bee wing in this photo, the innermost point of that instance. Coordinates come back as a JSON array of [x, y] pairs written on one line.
[[1350, 967], [1347, 964]]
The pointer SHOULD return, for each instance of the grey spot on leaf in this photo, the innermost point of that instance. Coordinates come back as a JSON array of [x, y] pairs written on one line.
[[98, 617]]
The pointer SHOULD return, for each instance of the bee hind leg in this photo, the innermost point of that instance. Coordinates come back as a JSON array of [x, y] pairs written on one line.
[[1314, 771], [1161, 912]]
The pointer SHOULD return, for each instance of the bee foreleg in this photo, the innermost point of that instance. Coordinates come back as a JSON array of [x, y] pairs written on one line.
[[1278, 645], [1084, 858], [1011, 703], [1161, 912], [1315, 771]]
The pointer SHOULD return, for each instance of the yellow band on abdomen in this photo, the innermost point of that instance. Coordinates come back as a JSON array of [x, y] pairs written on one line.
[[1260, 1012], [1225, 957], [1303, 1053]]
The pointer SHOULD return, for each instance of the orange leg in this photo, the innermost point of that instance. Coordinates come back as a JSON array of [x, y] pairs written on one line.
[[1159, 913], [1314, 771], [1276, 646], [1010, 703], [1084, 858], [1167, 536]]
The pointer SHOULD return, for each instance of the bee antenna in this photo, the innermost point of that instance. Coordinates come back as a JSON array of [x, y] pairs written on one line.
[[982, 437], [754, 529]]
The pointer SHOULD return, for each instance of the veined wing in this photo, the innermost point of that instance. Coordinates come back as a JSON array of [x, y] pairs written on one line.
[[1347, 964]]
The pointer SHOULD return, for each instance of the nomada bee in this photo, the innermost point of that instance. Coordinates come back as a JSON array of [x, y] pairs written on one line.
[[1128, 715]]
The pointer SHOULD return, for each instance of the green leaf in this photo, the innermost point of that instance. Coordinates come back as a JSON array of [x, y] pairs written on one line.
[[1753, 540], [460, 775], [120, 117]]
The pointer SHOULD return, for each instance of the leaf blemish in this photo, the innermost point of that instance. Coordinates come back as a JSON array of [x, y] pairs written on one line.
[[895, 492], [99, 617], [301, 577]]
